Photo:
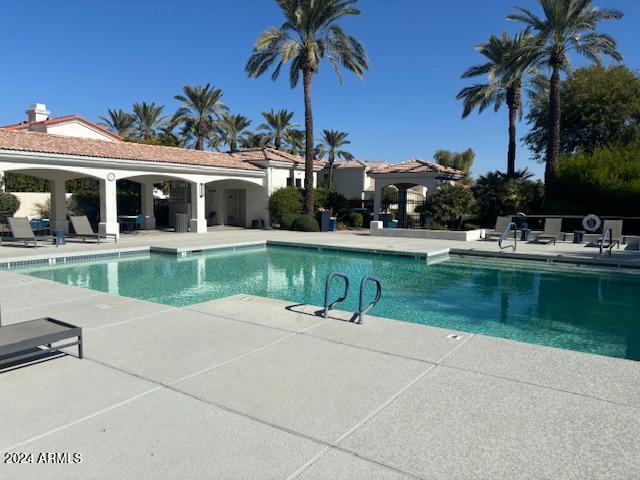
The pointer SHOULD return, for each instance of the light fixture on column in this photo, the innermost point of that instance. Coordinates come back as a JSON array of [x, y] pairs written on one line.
[[111, 176], [202, 190]]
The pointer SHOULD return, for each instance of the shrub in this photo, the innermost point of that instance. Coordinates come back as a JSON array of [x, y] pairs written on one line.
[[449, 204], [305, 223], [285, 200], [86, 202], [287, 219], [356, 220], [9, 205]]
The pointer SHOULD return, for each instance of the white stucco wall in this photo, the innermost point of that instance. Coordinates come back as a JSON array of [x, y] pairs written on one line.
[[350, 182], [29, 200], [77, 129]]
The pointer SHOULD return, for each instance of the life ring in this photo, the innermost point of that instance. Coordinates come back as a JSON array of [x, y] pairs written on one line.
[[591, 223]]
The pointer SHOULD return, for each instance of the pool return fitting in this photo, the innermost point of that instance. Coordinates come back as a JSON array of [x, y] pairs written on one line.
[[358, 316]]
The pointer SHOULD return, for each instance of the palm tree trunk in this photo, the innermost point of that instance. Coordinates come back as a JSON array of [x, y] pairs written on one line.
[[513, 111], [553, 146], [307, 74], [278, 142], [200, 143], [331, 160]]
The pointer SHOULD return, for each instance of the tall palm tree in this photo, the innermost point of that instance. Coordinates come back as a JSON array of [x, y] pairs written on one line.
[[511, 62], [231, 128], [277, 124], [309, 34], [200, 106], [254, 140], [566, 26], [333, 140], [119, 122], [294, 139], [149, 120]]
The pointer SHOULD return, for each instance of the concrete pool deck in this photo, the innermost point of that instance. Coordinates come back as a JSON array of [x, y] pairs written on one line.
[[248, 387]]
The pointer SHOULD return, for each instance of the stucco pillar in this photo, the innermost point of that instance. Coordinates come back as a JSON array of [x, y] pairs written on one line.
[[198, 223], [58, 212], [147, 205], [377, 203], [108, 207]]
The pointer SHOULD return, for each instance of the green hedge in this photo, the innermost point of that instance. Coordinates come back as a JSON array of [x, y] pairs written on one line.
[[283, 201], [9, 205], [287, 219], [305, 223]]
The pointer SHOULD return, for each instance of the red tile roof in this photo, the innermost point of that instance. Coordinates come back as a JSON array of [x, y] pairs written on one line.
[[269, 154], [358, 164], [416, 166], [27, 141], [64, 119]]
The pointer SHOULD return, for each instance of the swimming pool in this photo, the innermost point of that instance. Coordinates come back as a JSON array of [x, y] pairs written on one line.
[[576, 308]]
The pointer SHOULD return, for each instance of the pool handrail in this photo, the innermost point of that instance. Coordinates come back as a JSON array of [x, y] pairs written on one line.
[[327, 285], [504, 235], [362, 310], [606, 231]]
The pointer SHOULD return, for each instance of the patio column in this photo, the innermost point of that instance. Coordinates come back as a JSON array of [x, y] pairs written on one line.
[[377, 203], [108, 207], [146, 200], [198, 223], [58, 214]]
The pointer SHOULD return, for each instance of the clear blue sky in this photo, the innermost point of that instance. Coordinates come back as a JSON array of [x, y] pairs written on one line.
[[85, 56]]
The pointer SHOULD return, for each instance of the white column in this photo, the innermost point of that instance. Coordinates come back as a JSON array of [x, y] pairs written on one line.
[[2, 187], [146, 201], [198, 223], [58, 212], [108, 207]]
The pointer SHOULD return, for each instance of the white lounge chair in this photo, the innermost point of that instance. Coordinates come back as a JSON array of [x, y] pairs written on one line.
[[83, 229]]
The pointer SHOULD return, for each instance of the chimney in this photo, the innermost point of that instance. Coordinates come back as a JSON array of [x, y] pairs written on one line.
[[37, 113]]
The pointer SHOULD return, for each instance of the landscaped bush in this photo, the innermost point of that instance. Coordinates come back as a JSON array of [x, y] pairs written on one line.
[[86, 202], [287, 219], [449, 205], [334, 201], [305, 223], [9, 205], [285, 200], [356, 220]]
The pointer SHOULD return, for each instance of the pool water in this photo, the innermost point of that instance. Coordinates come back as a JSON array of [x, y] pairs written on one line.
[[576, 308]]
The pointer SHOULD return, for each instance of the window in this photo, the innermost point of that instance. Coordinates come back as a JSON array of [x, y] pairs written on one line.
[[299, 182], [289, 182]]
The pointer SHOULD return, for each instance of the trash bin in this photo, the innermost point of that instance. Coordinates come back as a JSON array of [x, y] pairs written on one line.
[[393, 224], [332, 224], [525, 235], [578, 236], [182, 223], [325, 220]]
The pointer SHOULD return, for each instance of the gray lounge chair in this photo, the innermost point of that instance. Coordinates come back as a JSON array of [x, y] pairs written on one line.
[[616, 234], [552, 231], [21, 232], [83, 229], [21, 341], [501, 225]]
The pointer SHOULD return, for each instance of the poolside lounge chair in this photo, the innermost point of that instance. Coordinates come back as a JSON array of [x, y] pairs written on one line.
[[22, 232], [616, 234], [501, 225], [83, 229], [552, 231]]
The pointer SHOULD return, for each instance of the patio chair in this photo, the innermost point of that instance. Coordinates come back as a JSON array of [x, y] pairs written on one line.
[[84, 230], [616, 234], [552, 231], [501, 225], [21, 232]]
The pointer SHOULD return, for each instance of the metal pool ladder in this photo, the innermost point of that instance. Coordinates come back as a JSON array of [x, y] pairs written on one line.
[[362, 308], [607, 233], [327, 286], [505, 234]]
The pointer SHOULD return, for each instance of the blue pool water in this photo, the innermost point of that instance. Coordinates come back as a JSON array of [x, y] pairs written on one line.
[[568, 307]]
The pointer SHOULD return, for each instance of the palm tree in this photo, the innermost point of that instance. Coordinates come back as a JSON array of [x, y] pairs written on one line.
[[277, 125], [119, 122], [149, 120], [254, 140], [511, 62], [309, 34], [333, 140], [567, 25], [230, 129], [200, 106], [294, 139]]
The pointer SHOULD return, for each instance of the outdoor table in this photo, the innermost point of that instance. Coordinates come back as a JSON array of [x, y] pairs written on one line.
[[129, 221]]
